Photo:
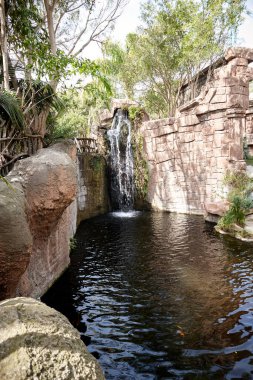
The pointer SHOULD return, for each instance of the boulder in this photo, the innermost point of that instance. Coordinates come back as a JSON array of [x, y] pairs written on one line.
[[239, 52], [38, 217], [217, 208], [123, 104], [15, 238], [105, 118], [37, 342]]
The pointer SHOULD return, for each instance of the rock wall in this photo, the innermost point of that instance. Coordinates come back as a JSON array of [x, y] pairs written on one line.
[[92, 197], [188, 155], [48, 195], [37, 342], [38, 218]]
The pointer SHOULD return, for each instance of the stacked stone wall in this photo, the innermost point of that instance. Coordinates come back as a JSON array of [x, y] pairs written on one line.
[[189, 155]]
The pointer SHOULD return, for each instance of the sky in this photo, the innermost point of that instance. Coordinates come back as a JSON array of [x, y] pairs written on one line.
[[130, 19]]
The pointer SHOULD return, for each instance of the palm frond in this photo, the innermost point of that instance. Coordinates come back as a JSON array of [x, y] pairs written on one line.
[[10, 109], [42, 93]]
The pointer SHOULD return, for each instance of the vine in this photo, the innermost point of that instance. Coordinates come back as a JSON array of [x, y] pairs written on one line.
[[141, 175], [96, 163]]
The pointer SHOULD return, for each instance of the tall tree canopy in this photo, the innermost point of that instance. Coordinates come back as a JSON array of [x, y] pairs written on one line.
[[178, 38], [45, 40]]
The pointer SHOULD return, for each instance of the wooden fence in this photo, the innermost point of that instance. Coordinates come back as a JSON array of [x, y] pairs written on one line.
[[15, 146], [86, 145]]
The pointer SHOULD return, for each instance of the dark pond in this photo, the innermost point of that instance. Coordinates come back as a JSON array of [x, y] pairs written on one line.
[[160, 296]]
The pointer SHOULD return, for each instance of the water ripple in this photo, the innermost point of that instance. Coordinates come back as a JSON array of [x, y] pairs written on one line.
[[160, 296]]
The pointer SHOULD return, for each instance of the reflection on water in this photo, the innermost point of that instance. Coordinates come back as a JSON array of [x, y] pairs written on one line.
[[160, 296]]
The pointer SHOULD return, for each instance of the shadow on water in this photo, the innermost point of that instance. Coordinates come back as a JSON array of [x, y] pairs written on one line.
[[160, 296]]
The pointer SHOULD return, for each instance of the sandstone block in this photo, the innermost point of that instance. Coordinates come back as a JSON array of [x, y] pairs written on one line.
[[241, 90], [235, 152], [163, 156], [225, 72], [217, 115], [237, 101], [186, 129], [222, 163], [238, 62], [186, 137], [225, 150], [209, 96], [217, 207], [207, 129], [217, 106], [235, 81], [187, 120], [234, 113], [219, 99], [153, 124], [221, 91], [239, 52], [202, 109], [123, 104]]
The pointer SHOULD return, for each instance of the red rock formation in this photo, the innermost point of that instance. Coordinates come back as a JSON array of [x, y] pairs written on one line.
[[37, 218]]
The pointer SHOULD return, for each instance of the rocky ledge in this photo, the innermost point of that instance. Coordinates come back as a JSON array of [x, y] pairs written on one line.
[[37, 342]]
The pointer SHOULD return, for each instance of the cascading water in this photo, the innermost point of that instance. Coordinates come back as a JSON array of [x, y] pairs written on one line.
[[121, 163]]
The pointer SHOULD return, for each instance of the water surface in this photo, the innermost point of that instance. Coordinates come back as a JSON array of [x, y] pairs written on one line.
[[160, 296]]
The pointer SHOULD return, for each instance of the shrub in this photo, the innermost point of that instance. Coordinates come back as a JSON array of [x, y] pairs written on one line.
[[240, 187]]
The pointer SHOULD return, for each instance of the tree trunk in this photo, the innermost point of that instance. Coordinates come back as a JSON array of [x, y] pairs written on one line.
[[4, 49], [50, 24], [38, 124]]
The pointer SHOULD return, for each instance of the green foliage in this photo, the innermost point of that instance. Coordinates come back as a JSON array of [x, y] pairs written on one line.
[[96, 163], [141, 175], [178, 38], [80, 109], [239, 184], [72, 243], [237, 211], [135, 113], [240, 187], [10, 109]]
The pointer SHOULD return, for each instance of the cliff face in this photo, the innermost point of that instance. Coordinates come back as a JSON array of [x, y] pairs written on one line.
[[38, 218], [47, 196], [92, 196]]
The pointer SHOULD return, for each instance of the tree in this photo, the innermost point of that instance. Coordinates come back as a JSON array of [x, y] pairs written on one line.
[[4, 45], [178, 39], [47, 39]]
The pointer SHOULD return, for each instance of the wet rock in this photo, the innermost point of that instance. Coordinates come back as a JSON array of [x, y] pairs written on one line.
[[217, 208], [37, 342]]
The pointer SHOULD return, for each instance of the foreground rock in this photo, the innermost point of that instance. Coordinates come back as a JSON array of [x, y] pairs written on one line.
[[37, 342], [38, 218]]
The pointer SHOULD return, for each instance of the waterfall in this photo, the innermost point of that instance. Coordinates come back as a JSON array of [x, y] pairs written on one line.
[[121, 162]]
